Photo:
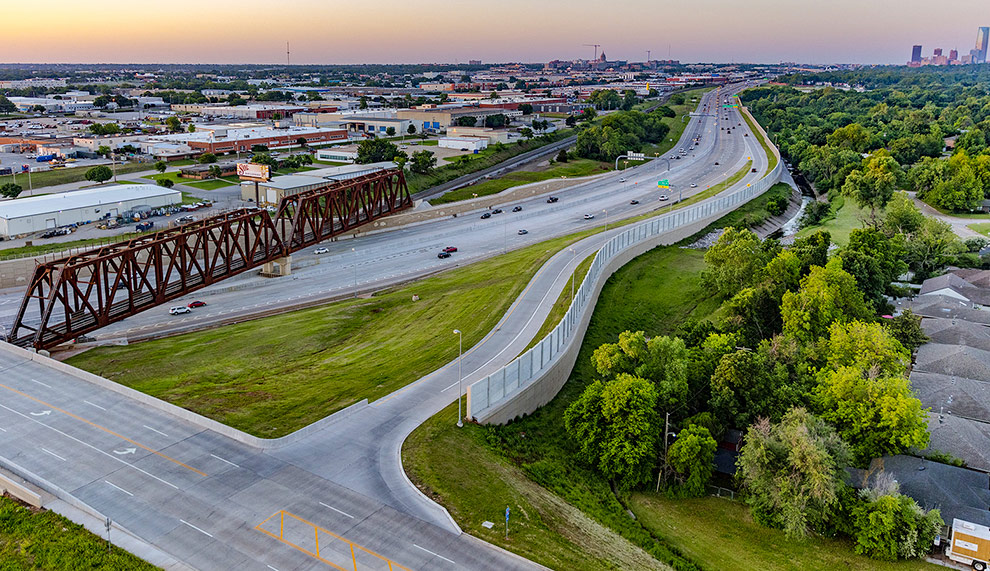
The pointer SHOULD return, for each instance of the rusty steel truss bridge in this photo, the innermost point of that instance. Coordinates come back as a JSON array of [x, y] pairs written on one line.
[[81, 293]]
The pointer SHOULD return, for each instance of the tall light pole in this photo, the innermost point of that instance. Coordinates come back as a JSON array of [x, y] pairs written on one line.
[[606, 220], [355, 274], [573, 272], [460, 377]]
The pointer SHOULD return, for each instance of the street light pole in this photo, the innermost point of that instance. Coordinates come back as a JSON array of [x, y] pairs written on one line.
[[460, 377], [355, 274], [606, 220]]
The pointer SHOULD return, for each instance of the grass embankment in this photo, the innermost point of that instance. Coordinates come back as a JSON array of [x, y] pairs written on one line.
[[771, 158], [54, 247], [274, 375], [981, 227], [656, 292], [208, 184], [574, 168], [564, 300], [845, 217], [32, 539], [472, 163], [66, 175]]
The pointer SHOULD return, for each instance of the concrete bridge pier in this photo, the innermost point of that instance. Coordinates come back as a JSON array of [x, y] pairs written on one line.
[[278, 267]]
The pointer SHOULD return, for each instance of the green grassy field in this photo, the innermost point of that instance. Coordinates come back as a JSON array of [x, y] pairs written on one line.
[[212, 184], [981, 227], [846, 216], [560, 306], [275, 375], [574, 168], [32, 539], [66, 175], [694, 526], [40, 249]]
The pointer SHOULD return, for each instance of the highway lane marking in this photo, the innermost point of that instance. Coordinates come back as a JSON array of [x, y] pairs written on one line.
[[196, 528], [227, 461], [3, 430], [336, 510], [54, 454], [450, 387], [88, 445], [435, 554], [272, 568], [94, 405], [107, 430], [153, 430], [119, 488], [40, 383]]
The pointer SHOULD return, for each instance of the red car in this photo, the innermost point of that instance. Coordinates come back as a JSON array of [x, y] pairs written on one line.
[[450, 249], [197, 304]]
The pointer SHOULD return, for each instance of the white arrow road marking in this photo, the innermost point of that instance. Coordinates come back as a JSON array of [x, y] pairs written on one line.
[[42, 413], [125, 451]]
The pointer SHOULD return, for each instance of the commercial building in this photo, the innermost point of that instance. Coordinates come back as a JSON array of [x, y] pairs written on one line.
[[271, 192], [435, 119], [38, 213], [463, 143], [493, 135], [262, 112], [218, 140], [336, 154], [982, 37], [375, 123], [916, 54]]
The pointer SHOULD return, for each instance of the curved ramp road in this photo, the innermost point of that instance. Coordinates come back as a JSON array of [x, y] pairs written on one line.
[[334, 494]]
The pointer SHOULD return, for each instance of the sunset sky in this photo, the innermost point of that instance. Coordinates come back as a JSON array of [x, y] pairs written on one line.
[[385, 31]]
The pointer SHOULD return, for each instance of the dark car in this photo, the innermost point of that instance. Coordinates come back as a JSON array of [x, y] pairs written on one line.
[[197, 304], [450, 249], [633, 202], [517, 209], [752, 169], [522, 232], [497, 211], [716, 163], [443, 255], [552, 199], [486, 215]]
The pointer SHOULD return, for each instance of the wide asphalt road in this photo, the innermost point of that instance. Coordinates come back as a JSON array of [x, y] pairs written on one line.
[[215, 503]]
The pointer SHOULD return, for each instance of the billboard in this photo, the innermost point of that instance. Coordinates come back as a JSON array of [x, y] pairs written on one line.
[[251, 171]]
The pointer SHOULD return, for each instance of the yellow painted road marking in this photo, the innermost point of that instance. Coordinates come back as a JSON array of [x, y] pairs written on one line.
[[104, 429], [281, 514]]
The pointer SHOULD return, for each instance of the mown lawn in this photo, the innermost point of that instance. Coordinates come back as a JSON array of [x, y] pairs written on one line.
[[574, 168], [718, 533], [31, 539], [39, 249], [845, 217], [66, 175], [981, 227], [275, 375]]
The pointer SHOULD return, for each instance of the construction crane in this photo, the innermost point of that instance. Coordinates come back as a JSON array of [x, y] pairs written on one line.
[[594, 61]]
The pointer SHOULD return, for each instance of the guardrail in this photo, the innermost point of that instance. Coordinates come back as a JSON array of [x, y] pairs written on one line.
[[516, 389]]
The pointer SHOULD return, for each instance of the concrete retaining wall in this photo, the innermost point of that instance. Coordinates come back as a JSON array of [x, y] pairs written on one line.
[[9, 484], [535, 377]]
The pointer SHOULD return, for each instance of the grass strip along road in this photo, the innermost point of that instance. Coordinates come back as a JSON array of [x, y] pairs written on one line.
[[66, 175]]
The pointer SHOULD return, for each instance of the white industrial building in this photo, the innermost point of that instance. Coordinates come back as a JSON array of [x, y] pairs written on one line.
[[39, 213], [463, 143], [336, 154], [271, 192]]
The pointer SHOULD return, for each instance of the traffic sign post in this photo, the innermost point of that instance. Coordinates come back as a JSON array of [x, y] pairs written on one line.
[[507, 522], [663, 183]]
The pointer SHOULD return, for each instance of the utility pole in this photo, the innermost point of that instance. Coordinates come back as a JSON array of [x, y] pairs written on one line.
[[287, 62], [663, 462], [648, 59]]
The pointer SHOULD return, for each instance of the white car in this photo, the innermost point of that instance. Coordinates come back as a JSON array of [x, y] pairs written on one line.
[[321, 250], [589, 216], [694, 185], [664, 197], [179, 310], [622, 180]]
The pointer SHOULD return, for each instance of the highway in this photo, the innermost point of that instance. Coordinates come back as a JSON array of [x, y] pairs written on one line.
[[371, 262], [216, 503]]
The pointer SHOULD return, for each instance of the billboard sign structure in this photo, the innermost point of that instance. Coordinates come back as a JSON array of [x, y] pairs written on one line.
[[253, 172], [634, 156]]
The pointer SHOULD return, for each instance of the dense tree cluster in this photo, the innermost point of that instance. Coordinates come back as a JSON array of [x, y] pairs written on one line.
[[621, 132]]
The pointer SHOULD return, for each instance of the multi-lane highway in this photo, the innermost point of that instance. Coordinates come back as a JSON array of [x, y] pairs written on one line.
[[215, 502]]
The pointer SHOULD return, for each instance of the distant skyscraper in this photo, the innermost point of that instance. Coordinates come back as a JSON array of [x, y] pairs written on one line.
[[916, 54], [953, 55], [981, 43], [937, 52]]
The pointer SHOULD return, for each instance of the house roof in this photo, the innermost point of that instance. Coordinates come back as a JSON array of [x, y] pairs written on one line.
[[949, 307], [957, 332], [946, 394], [953, 360]]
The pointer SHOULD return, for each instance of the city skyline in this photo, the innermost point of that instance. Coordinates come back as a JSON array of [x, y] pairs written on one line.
[[432, 31]]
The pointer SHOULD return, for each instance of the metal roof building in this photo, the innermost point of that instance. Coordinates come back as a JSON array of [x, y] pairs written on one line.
[[37, 213], [271, 192]]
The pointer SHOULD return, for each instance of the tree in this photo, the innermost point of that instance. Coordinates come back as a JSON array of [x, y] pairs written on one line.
[[733, 262], [265, 159], [562, 156], [10, 190], [867, 347], [526, 108], [893, 526], [663, 360], [376, 151], [692, 458], [906, 328], [161, 166], [103, 150], [677, 99], [873, 185], [99, 174], [174, 124], [259, 148], [215, 171], [6, 107], [496, 121], [615, 425], [411, 129], [526, 132], [192, 128], [875, 260], [930, 247], [466, 121], [570, 121], [363, 103], [826, 295], [745, 386], [207, 159], [302, 142], [166, 182], [588, 114], [422, 162], [792, 472], [390, 131], [902, 216], [400, 160]]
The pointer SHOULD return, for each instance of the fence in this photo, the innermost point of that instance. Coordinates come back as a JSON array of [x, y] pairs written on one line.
[[516, 389]]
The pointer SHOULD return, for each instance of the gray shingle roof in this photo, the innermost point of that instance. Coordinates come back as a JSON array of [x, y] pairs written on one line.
[[957, 332], [953, 360]]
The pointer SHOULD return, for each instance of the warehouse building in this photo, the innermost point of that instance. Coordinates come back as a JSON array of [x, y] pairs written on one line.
[[38, 213], [270, 193]]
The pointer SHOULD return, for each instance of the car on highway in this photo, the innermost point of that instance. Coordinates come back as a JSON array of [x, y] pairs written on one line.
[[197, 303], [664, 198], [497, 211], [522, 232], [552, 199], [622, 180], [179, 310], [450, 249], [633, 202], [486, 215], [321, 250], [443, 255], [693, 185], [517, 209], [716, 163], [677, 158], [589, 216]]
